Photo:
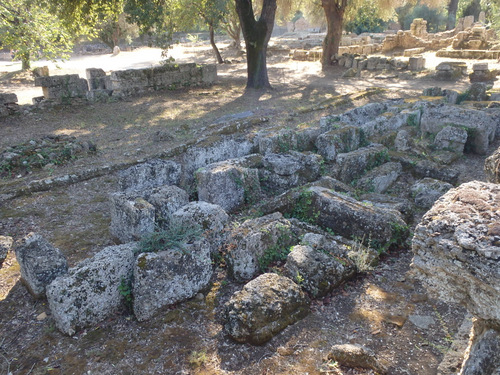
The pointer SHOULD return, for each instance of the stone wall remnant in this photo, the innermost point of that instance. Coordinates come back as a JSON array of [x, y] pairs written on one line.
[[63, 88], [492, 167]]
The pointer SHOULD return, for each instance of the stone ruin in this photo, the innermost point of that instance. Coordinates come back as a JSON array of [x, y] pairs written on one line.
[[99, 86], [301, 185]]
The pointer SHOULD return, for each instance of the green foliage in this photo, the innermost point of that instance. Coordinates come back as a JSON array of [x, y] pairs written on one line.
[[473, 8], [114, 29], [279, 251], [125, 289], [175, 236], [367, 19], [32, 32], [302, 209], [435, 17]]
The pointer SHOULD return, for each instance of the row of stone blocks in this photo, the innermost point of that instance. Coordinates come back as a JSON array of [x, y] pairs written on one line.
[[99, 86]]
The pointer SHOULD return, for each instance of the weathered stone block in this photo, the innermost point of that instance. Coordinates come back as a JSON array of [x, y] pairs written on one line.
[[492, 167], [429, 190], [281, 172], [170, 276], [96, 78], [132, 217], [350, 218], [211, 218], [248, 244], [456, 249], [344, 139], [153, 173], [316, 272], [40, 263], [481, 127], [381, 178], [416, 63], [356, 356], [90, 292], [353, 164], [228, 185], [7, 98], [277, 143], [264, 307], [452, 138]]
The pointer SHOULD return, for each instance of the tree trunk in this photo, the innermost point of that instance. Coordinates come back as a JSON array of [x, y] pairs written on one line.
[[214, 46], [334, 12], [25, 60], [452, 14], [257, 35]]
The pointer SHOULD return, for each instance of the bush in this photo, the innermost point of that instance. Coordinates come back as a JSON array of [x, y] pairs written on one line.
[[436, 18], [366, 20], [176, 236]]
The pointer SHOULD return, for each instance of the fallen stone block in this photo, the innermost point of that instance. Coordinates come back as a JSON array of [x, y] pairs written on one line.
[[170, 276], [132, 217], [281, 172], [211, 218], [90, 292], [451, 138], [40, 263], [5, 246], [342, 140], [456, 249], [276, 143], [381, 178], [317, 272], [352, 219], [480, 126], [263, 308], [492, 167], [428, 190], [352, 165], [482, 356], [153, 173], [256, 243], [228, 185]]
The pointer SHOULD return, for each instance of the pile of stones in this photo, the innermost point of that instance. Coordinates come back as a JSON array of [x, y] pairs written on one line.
[[324, 201]]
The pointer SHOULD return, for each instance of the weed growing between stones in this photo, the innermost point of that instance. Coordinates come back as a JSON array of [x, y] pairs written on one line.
[[175, 236], [279, 251], [302, 209], [125, 289]]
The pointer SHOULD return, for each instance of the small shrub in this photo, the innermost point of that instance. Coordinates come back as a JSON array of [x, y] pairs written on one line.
[[125, 289], [175, 236]]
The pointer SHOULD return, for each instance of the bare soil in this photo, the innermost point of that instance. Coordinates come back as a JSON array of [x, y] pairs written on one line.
[[372, 310]]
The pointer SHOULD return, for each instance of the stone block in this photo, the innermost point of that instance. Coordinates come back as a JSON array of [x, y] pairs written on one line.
[[263, 308], [248, 246], [40, 263], [209, 73], [344, 139], [428, 190], [381, 178], [7, 98], [456, 249], [211, 218], [350, 218], [276, 143], [451, 138], [153, 173], [492, 167], [228, 185], [352, 165], [132, 217], [317, 272], [170, 276], [90, 292], [96, 78]]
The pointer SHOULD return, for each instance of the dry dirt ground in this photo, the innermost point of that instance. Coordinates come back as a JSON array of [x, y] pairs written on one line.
[[373, 310]]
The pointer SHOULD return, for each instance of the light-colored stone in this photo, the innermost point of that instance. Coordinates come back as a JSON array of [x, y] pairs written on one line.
[[153, 173], [381, 178], [263, 308], [451, 138], [211, 218], [456, 249], [90, 292], [132, 217], [352, 165], [344, 139], [40, 263], [170, 276]]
